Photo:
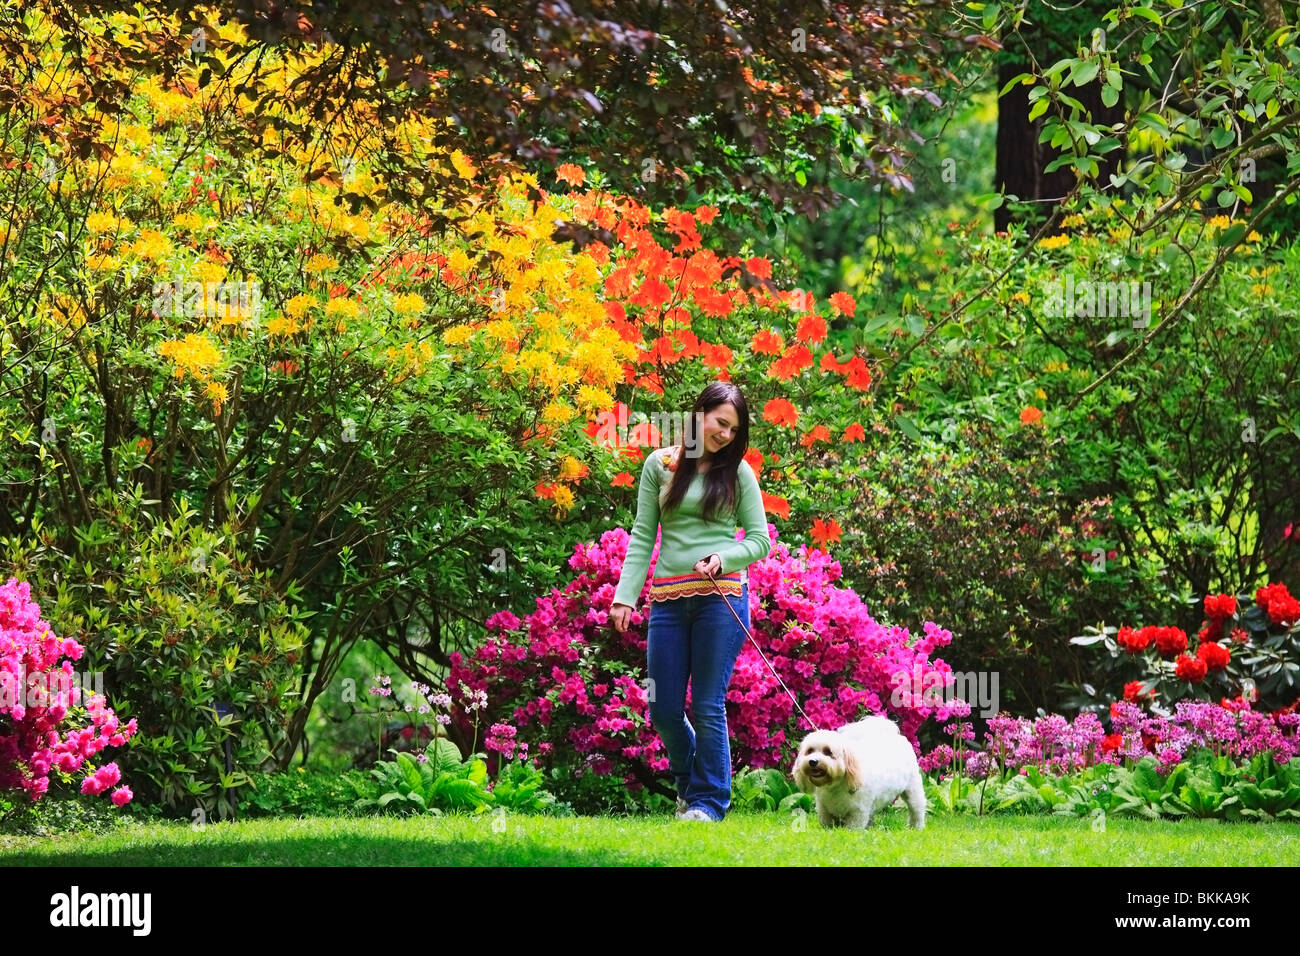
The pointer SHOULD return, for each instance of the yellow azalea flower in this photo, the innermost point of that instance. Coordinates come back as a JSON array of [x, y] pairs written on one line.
[[503, 330], [571, 468], [217, 392], [1041, 394], [1218, 222], [205, 270], [1055, 242], [342, 309], [563, 497], [321, 263], [1253, 236], [101, 222], [1071, 221], [195, 354], [592, 400], [188, 221], [409, 304], [458, 335], [101, 262], [281, 326], [458, 262], [297, 306], [150, 244], [1261, 289], [1021, 297], [556, 413]]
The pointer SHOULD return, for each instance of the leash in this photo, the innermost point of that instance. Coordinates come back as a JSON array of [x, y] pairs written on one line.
[[760, 651]]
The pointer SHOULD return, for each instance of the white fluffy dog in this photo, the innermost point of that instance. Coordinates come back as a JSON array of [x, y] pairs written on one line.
[[859, 769]]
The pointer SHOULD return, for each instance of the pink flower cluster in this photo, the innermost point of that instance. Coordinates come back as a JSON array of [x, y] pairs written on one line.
[[565, 678], [1058, 745], [31, 744]]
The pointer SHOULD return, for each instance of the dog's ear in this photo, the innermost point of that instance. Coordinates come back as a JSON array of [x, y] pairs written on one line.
[[853, 768], [801, 775]]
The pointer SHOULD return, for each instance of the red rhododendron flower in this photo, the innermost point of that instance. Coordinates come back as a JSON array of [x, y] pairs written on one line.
[[1219, 606], [1135, 642], [1133, 691], [1169, 640], [1215, 656], [1189, 669], [1111, 743]]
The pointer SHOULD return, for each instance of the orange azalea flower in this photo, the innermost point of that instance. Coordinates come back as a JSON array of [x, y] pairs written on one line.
[[795, 360], [571, 174], [755, 459], [776, 506], [759, 267], [1031, 416], [859, 376], [824, 534], [819, 433], [843, 303], [622, 479], [766, 342], [830, 364], [779, 411], [670, 460], [811, 329], [706, 214], [652, 293], [853, 433], [544, 491], [717, 357]]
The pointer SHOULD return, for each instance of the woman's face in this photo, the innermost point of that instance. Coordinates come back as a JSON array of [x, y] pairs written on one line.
[[719, 428]]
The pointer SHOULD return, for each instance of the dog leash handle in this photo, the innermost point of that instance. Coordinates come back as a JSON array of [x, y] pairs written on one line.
[[760, 652]]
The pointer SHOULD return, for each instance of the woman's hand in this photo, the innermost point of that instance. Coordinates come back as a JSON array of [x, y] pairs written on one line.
[[619, 615], [710, 565]]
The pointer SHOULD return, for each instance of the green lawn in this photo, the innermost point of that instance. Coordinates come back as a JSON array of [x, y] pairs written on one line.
[[742, 839]]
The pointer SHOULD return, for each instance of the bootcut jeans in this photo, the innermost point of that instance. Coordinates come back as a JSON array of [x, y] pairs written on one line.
[[695, 638]]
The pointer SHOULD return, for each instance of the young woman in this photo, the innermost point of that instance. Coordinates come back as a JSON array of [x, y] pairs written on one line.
[[697, 493]]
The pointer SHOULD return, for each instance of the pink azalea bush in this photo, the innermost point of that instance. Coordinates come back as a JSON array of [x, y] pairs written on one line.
[[1057, 745], [39, 700], [569, 690]]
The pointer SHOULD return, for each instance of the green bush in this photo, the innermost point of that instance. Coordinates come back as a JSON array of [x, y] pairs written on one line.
[[178, 621], [302, 792]]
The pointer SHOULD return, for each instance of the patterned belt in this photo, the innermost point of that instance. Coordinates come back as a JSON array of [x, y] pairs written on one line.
[[685, 585]]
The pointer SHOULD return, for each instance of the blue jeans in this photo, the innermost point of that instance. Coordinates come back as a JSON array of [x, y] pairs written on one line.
[[695, 638]]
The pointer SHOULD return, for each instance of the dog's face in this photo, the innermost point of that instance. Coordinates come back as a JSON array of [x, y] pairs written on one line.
[[824, 760]]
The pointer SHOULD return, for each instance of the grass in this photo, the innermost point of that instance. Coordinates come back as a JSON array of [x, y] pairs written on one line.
[[743, 839]]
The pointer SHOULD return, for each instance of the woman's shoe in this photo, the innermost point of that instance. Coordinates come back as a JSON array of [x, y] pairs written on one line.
[[695, 813]]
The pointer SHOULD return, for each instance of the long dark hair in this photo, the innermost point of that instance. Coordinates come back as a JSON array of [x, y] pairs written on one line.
[[720, 479]]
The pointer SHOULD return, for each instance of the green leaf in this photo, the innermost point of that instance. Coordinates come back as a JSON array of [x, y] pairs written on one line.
[[1109, 95], [1232, 234], [1085, 73]]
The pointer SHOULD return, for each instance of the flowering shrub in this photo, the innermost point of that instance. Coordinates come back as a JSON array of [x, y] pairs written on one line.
[[1054, 744], [568, 689], [1265, 637], [38, 695]]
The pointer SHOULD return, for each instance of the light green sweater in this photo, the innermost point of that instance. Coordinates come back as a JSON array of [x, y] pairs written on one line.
[[686, 536]]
